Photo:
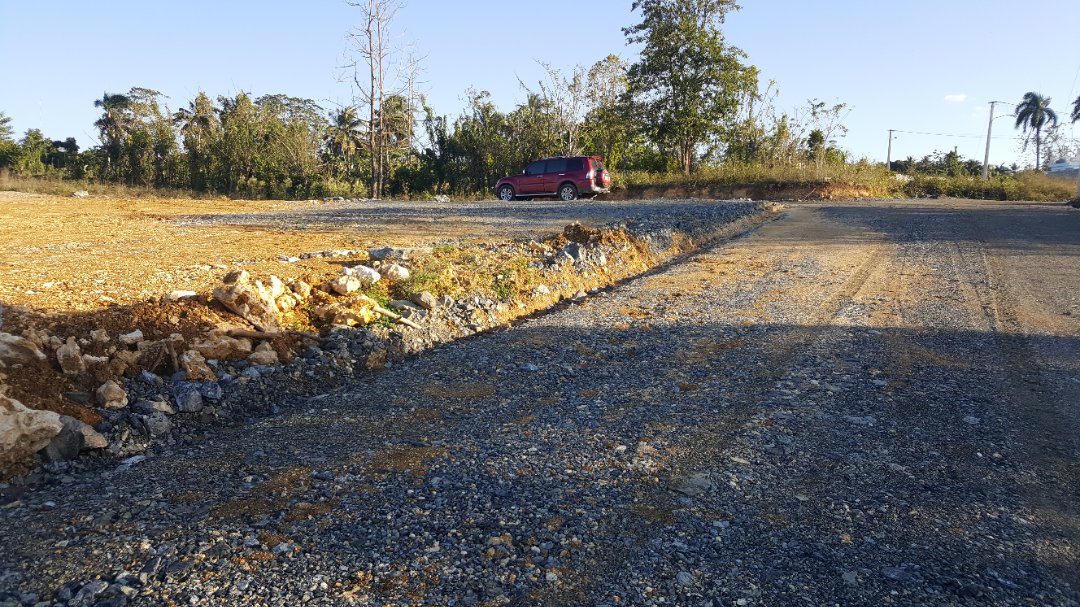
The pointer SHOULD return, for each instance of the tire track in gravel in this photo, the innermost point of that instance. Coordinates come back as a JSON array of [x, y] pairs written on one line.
[[1015, 452], [780, 350], [704, 448], [1049, 442]]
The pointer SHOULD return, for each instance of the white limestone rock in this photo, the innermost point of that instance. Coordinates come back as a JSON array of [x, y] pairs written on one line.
[[345, 284], [264, 354], [111, 396], [70, 358], [15, 350], [396, 273], [23, 432]]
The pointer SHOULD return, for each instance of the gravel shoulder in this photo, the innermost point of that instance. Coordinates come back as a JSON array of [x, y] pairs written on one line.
[[860, 403]]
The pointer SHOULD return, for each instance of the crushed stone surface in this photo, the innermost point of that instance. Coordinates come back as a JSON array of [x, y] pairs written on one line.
[[857, 404]]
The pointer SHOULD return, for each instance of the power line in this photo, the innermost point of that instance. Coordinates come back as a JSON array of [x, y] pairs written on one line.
[[1077, 75], [953, 135], [1014, 138]]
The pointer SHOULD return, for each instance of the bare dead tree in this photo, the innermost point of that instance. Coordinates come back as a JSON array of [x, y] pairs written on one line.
[[375, 78], [366, 62], [410, 69]]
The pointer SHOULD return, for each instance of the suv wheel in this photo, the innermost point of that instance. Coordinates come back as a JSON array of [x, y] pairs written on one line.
[[506, 193], [567, 192]]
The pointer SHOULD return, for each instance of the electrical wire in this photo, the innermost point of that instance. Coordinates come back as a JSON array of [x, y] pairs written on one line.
[[955, 135]]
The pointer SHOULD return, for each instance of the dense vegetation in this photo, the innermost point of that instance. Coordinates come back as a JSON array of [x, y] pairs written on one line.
[[690, 109]]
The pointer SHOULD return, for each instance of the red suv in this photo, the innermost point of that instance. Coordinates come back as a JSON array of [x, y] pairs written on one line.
[[564, 176]]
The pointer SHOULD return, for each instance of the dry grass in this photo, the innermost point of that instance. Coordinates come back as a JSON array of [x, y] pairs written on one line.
[[53, 186], [405, 458], [872, 179], [1029, 185], [461, 392]]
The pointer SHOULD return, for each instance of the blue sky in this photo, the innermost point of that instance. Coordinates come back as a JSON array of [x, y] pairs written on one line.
[[918, 66]]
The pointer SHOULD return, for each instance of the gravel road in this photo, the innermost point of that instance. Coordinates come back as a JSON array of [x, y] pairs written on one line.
[[857, 404], [415, 221]]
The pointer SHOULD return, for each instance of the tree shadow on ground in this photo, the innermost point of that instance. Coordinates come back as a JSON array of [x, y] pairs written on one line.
[[900, 455]]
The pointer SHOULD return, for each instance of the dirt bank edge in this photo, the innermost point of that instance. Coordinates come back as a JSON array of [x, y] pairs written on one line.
[[165, 408]]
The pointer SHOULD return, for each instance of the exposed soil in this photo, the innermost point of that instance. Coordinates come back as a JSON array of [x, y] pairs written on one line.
[[71, 266]]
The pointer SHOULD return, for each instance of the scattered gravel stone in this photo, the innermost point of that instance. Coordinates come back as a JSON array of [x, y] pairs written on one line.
[[461, 478], [188, 397]]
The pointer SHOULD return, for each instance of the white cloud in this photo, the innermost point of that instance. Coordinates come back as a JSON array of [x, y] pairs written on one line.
[[957, 98]]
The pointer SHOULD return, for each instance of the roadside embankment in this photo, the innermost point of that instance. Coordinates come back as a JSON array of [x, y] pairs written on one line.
[[84, 387]]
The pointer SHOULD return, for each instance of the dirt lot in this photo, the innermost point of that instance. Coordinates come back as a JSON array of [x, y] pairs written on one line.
[[78, 255], [68, 255], [70, 266]]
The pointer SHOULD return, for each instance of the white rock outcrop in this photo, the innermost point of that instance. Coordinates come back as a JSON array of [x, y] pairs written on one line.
[[277, 288], [70, 358], [179, 295], [131, 339], [366, 275], [219, 346], [345, 284], [301, 290], [195, 366], [286, 302], [264, 354]]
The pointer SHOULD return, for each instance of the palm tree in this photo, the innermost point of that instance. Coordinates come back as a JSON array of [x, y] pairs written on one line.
[[200, 127], [345, 135], [1075, 118], [1034, 113], [112, 125], [198, 119]]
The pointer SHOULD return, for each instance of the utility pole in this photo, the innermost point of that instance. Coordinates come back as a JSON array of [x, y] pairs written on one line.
[[888, 157], [1078, 182], [989, 129]]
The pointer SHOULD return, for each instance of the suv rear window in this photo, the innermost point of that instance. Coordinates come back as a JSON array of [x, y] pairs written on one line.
[[556, 165], [597, 164]]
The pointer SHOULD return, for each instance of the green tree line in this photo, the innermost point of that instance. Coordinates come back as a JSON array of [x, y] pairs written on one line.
[[690, 101]]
